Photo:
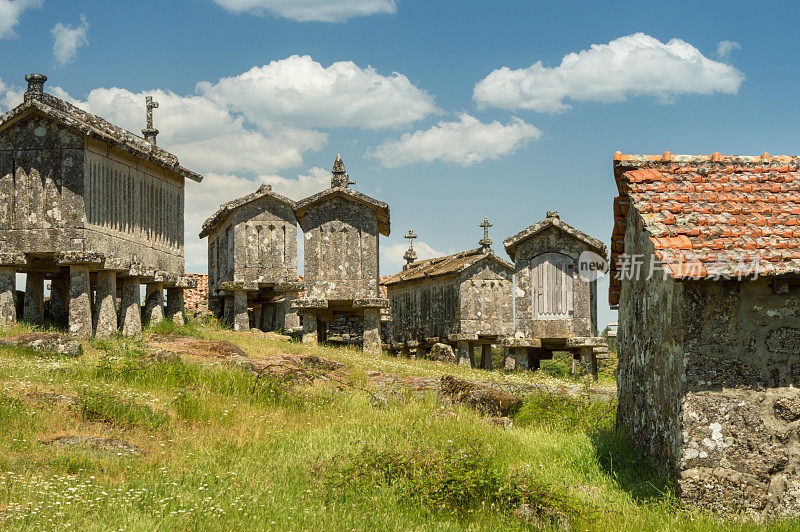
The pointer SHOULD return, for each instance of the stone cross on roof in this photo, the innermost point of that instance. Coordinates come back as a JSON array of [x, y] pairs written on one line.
[[150, 132], [485, 243], [340, 177], [410, 255]]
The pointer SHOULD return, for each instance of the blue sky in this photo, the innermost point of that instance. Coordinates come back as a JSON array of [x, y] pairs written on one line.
[[415, 97]]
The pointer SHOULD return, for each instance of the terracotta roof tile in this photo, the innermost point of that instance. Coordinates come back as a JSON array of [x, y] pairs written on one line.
[[729, 212]]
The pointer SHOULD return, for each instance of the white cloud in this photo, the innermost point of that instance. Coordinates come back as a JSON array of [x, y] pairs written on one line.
[[634, 65], [301, 91], [311, 10], [466, 142], [10, 12], [392, 255], [724, 48], [67, 40]]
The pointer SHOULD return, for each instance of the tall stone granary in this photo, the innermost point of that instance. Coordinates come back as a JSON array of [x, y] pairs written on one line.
[[92, 208], [706, 276], [252, 262], [341, 228]]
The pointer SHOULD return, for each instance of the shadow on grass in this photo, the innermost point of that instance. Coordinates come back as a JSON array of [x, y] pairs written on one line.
[[630, 468]]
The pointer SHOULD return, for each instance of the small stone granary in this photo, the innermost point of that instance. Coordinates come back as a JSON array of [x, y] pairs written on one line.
[[706, 276], [340, 278], [93, 208], [462, 299], [556, 308], [252, 262]]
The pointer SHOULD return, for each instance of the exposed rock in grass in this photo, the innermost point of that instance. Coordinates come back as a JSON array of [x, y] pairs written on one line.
[[52, 397], [502, 422], [542, 517], [50, 343], [486, 399], [94, 443], [297, 369], [443, 353]]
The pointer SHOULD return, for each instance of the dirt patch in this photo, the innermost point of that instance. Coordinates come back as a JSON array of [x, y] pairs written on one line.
[[94, 443], [191, 349]]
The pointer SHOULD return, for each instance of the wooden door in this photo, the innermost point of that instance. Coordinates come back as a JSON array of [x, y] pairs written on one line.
[[551, 283]]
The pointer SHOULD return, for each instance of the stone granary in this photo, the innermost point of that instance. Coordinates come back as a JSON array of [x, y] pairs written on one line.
[[556, 307], [462, 299], [252, 261], [709, 344], [342, 228], [93, 208]]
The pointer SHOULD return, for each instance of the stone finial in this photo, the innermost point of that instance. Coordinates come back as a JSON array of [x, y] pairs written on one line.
[[150, 132], [410, 255], [340, 177], [265, 188], [35, 85], [486, 244], [552, 214]]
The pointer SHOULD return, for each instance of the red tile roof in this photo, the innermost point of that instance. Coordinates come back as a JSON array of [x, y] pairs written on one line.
[[710, 215]]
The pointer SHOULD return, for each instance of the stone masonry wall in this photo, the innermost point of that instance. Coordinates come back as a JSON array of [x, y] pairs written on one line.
[[341, 251], [196, 299], [265, 248], [424, 309], [486, 300], [584, 319], [650, 381]]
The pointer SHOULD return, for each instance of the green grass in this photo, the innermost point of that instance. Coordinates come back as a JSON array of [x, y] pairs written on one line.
[[226, 451]]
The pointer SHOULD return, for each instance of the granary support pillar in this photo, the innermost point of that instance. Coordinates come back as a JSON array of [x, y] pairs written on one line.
[[80, 304], [241, 319], [291, 319], [257, 309], [131, 307], [310, 333], [175, 306], [487, 362], [154, 303], [227, 310], [372, 330], [588, 361], [34, 298], [59, 299], [8, 283], [465, 353], [105, 304]]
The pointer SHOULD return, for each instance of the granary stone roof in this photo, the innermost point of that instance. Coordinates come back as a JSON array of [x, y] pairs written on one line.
[[95, 127], [552, 220], [340, 188], [444, 266], [227, 208], [710, 216]]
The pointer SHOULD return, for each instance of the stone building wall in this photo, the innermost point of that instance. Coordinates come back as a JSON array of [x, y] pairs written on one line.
[[707, 384], [196, 299], [424, 309], [486, 301], [265, 242], [341, 251], [584, 297]]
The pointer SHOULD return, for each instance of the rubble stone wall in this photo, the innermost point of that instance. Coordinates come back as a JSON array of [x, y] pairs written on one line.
[[341, 251], [584, 320]]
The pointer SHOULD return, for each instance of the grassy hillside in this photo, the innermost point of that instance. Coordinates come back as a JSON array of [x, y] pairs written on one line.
[[213, 447]]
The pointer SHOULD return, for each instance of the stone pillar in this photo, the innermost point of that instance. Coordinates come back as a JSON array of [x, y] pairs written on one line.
[[105, 304], [80, 305], [175, 306], [487, 362], [372, 330], [310, 335], [509, 362], [589, 361], [521, 356], [59, 299], [34, 298], [257, 308], [290, 318], [8, 284], [464, 353], [154, 303], [241, 319], [131, 307], [227, 310]]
